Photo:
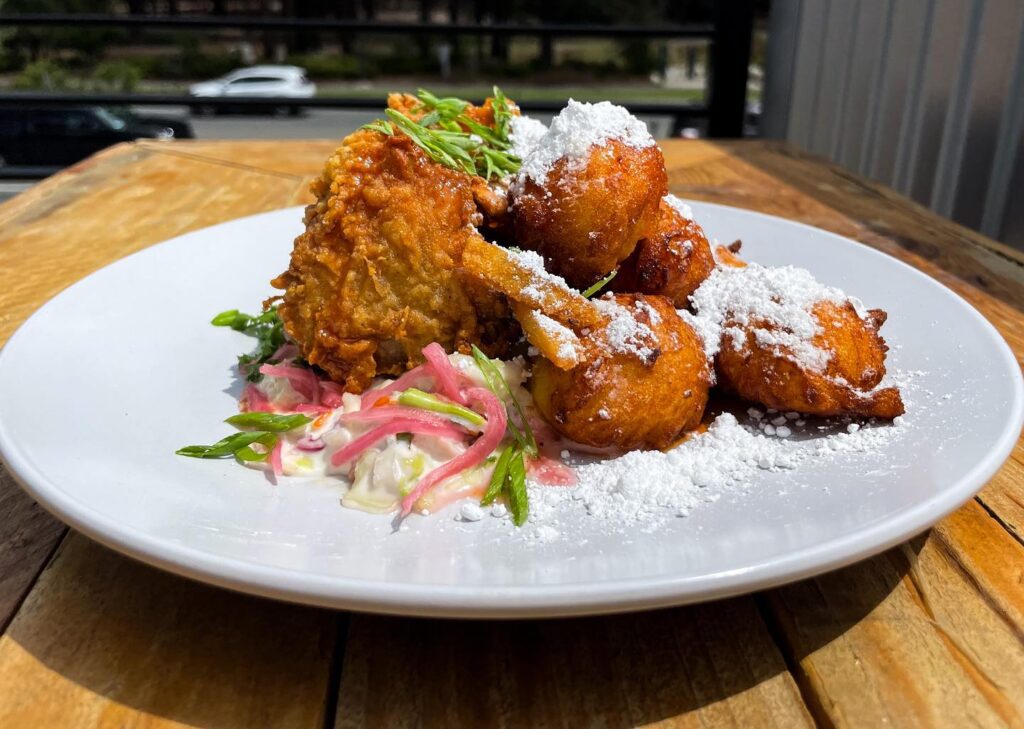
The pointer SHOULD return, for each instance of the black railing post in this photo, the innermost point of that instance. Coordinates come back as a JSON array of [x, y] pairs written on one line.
[[730, 56]]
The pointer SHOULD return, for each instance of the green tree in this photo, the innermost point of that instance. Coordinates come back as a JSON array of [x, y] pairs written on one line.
[[85, 44]]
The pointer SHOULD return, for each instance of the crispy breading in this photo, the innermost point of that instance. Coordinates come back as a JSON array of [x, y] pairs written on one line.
[[626, 399], [496, 269], [585, 219], [374, 278], [673, 260], [760, 373]]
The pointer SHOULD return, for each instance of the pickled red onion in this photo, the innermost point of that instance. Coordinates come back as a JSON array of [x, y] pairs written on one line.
[[550, 472], [331, 394], [398, 425], [477, 453], [387, 412], [254, 401], [285, 351], [447, 376], [275, 458], [410, 378], [311, 409], [303, 381]]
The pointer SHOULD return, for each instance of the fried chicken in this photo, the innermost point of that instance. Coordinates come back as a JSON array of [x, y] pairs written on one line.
[[643, 390], [588, 191], [763, 371], [374, 278], [673, 260]]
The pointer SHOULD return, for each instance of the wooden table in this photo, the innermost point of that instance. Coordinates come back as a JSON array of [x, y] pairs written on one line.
[[929, 633]]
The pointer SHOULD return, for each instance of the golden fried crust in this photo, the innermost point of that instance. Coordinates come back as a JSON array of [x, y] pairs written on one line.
[[672, 261], [496, 269], [585, 220], [374, 278], [626, 401], [757, 372], [729, 256]]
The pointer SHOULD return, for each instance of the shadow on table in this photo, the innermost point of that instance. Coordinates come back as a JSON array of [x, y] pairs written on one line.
[[620, 670], [122, 637]]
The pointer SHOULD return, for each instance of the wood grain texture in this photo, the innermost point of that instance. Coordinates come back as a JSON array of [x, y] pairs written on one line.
[[51, 236], [103, 641], [288, 159], [930, 633], [712, 665], [28, 536]]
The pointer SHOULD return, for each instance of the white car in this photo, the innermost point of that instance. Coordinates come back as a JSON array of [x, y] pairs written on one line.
[[280, 82]]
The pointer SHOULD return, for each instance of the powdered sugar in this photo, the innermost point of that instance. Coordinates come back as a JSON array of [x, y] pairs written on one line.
[[646, 489], [680, 207], [525, 133], [773, 303], [532, 261], [566, 337], [577, 128], [624, 334], [709, 331]]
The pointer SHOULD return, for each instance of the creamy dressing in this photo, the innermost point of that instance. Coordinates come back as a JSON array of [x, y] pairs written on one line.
[[383, 474]]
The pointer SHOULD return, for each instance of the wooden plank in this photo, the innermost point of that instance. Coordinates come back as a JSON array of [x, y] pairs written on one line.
[[711, 665], [291, 158], [105, 641], [102, 640], [930, 634], [28, 536], [1004, 495]]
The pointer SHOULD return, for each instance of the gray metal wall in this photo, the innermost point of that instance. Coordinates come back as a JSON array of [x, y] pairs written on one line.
[[926, 96]]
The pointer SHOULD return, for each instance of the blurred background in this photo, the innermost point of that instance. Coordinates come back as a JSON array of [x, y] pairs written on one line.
[[926, 96]]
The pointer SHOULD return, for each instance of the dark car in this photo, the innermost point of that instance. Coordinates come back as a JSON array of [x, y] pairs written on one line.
[[60, 136]]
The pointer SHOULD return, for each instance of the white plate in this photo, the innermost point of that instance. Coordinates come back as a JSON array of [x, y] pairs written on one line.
[[102, 384]]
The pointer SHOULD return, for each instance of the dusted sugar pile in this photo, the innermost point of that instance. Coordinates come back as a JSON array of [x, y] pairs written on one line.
[[577, 128], [774, 301], [532, 261], [567, 350], [624, 334], [647, 489], [525, 133], [709, 331], [679, 206]]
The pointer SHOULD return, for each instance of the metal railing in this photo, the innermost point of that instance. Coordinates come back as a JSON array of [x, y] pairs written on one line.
[[729, 36]]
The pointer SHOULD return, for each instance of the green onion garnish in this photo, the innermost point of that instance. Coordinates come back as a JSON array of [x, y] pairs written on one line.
[[497, 384], [425, 401], [452, 138], [515, 489], [499, 475], [232, 445], [379, 126], [271, 422], [593, 289], [267, 329]]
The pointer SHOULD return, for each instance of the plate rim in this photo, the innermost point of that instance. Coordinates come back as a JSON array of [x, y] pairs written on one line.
[[522, 601]]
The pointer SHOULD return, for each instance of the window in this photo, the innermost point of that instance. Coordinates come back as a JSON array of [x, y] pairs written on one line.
[[255, 80]]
